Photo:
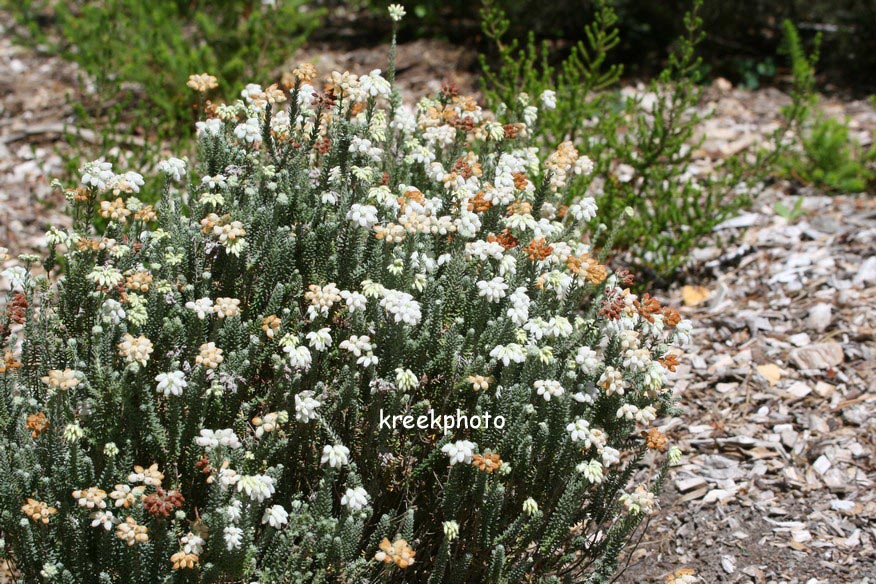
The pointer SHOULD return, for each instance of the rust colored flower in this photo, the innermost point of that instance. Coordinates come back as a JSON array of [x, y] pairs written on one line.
[[671, 317], [9, 363], [648, 306], [488, 462], [271, 324], [520, 181], [506, 239], [512, 131], [655, 439], [162, 503], [670, 361], [538, 250], [479, 203], [37, 424], [323, 145], [449, 90], [16, 310], [612, 307], [625, 277]]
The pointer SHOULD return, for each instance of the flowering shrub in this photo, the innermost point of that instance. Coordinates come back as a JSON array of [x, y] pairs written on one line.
[[206, 394]]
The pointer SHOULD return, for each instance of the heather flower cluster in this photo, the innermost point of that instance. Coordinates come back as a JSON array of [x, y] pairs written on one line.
[[199, 392]]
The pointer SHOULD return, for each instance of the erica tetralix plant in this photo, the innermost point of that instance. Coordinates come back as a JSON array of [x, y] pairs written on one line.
[[364, 343]]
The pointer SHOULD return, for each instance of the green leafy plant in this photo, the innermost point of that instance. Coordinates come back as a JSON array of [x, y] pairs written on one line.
[[792, 213], [831, 159], [641, 144], [209, 393], [153, 47]]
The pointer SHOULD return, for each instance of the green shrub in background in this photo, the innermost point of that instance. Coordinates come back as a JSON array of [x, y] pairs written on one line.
[[152, 47], [830, 159], [642, 145], [201, 397]]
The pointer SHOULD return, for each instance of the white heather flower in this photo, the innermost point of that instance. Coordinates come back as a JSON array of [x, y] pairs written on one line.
[[321, 339], [583, 210], [610, 456], [405, 379], [135, 349], [232, 511], [249, 131], [587, 360], [612, 381], [321, 299], [228, 477], [305, 406], [355, 301], [493, 290], [639, 501], [233, 537], [214, 182], [372, 289], [375, 85], [548, 99], [299, 356], [357, 345], [211, 439], [579, 430], [451, 530], [459, 451], [112, 311], [401, 306], [508, 353], [355, 499], [104, 519], [530, 507], [256, 487], [548, 388], [17, 277], [275, 516], [73, 433], [336, 456], [174, 168], [97, 174], [363, 215], [682, 332], [628, 412], [518, 312], [583, 166], [646, 415], [172, 383], [103, 276], [592, 471], [192, 544], [396, 12], [637, 359], [202, 307]]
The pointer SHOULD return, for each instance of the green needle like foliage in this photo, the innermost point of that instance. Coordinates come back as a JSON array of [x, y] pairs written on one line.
[[642, 143]]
